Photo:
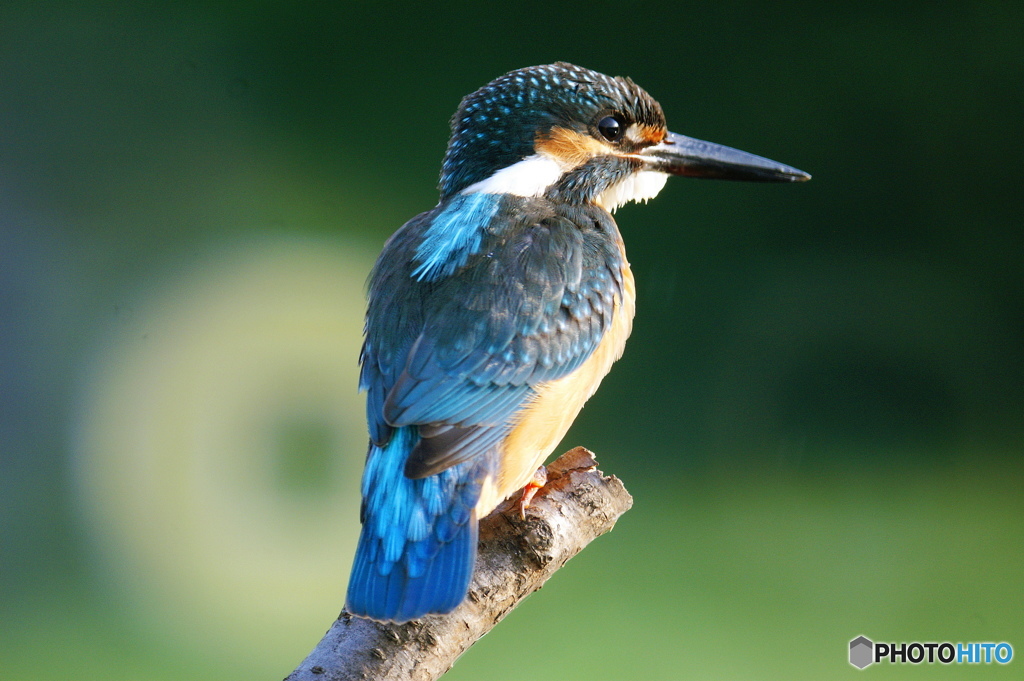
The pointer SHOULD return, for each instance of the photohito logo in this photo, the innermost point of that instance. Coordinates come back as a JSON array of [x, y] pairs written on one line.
[[864, 652]]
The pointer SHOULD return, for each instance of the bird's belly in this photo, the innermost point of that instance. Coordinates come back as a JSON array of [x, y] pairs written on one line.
[[544, 422]]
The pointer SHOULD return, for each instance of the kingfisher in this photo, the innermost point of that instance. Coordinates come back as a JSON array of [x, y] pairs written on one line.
[[493, 317]]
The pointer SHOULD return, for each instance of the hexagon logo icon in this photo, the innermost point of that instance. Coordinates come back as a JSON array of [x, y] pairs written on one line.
[[861, 649]]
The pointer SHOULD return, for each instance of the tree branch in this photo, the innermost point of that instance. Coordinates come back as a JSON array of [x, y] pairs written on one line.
[[515, 558]]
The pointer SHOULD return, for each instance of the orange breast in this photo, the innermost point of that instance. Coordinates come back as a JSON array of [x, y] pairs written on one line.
[[543, 424]]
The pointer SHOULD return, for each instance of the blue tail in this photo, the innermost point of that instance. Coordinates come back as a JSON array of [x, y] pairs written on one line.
[[418, 543]]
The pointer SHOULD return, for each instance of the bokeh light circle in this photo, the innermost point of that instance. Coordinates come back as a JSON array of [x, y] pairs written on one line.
[[219, 444]]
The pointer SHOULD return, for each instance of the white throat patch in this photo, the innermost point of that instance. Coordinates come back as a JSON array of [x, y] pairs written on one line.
[[529, 177], [535, 174], [639, 186]]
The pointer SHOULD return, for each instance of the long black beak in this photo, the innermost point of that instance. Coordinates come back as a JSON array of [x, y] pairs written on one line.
[[681, 155]]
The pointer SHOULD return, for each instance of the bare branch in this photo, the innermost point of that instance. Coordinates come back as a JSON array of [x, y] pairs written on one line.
[[577, 505]]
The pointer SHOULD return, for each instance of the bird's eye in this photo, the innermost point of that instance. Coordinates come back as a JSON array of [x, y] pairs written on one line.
[[611, 128]]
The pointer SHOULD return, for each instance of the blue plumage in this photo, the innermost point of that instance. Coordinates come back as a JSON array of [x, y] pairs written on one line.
[[481, 310], [454, 235], [448, 361], [497, 125], [416, 550], [473, 307]]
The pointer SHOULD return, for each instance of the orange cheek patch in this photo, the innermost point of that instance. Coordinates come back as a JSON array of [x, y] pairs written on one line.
[[569, 147], [652, 134]]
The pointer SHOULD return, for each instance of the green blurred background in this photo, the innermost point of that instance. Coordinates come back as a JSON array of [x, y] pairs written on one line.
[[820, 413]]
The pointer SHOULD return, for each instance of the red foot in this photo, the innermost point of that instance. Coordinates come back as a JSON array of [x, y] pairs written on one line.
[[540, 478]]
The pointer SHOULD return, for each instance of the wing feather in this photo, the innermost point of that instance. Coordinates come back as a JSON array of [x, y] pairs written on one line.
[[460, 353]]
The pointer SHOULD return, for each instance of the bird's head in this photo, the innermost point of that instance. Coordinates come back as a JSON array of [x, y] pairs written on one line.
[[576, 135]]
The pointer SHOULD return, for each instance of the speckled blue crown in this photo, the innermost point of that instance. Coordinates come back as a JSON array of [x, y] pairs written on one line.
[[496, 126]]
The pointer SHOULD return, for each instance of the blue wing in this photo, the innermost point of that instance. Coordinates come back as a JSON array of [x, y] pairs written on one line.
[[471, 306], [458, 353]]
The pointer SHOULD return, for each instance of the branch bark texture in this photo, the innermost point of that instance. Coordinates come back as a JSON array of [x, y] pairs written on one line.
[[515, 558]]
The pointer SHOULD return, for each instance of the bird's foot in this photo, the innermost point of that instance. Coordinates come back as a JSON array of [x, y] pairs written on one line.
[[540, 478]]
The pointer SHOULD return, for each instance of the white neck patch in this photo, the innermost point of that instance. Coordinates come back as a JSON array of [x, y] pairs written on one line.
[[639, 186], [535, 174], [529, 177]]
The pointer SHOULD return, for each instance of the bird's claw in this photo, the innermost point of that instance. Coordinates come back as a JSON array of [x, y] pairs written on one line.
[[540, 478]]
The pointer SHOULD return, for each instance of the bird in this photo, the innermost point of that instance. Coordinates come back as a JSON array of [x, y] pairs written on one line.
[[493, 317]]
